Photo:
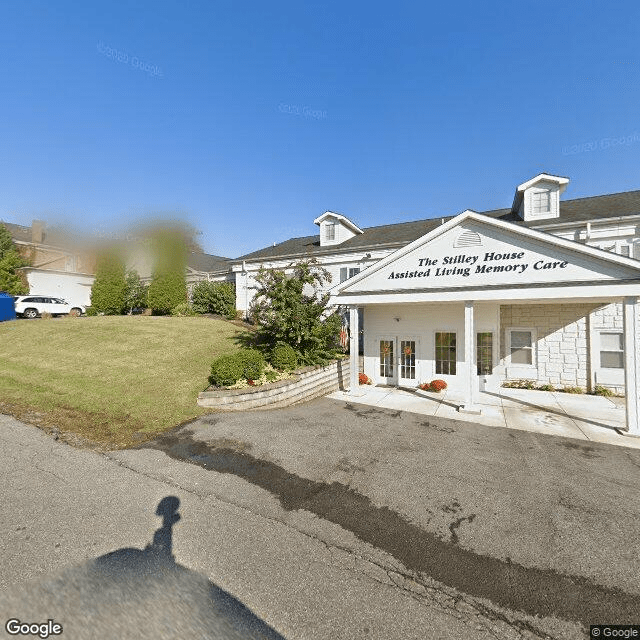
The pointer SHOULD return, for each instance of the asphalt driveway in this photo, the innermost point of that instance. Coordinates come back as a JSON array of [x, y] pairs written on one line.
[[406, 525]]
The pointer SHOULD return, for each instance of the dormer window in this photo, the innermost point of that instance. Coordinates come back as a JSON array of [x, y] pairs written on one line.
[[329, 231], [335, 228], [539, 198], [540, 202]]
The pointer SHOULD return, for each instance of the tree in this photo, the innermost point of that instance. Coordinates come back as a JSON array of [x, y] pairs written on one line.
[[168, 287], [215, 297], [135, 292], [290, 309], [11, 281], [110, 286]]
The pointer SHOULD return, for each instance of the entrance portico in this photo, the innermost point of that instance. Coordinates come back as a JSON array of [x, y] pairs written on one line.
[[481, 301]]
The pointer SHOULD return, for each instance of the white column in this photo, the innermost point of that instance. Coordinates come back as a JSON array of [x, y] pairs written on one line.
[[354, 332], [631, 365], [469, 371]]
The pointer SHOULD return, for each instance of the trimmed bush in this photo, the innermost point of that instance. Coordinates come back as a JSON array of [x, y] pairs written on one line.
[[226, 370], [252, 363], [90, 311], [110, 286], [284, 357]]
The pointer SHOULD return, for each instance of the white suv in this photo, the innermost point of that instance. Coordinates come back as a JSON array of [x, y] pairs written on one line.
[[33, 306]]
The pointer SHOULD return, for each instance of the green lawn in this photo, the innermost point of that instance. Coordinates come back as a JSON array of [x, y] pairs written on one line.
[[105, 378]]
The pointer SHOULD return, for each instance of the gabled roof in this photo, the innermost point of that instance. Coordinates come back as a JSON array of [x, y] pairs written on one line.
[[561, 181], [394, 235], [206, 263], [345, 221], [435, 267]]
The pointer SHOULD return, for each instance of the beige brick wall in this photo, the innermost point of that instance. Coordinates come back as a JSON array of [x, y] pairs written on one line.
[[562, 340]]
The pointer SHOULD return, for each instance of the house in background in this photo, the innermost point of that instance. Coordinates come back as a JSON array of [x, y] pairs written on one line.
[[64, 266], [60, 265]]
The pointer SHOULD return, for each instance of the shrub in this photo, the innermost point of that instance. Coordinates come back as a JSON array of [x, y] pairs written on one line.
[[183, 309], [110, 286], [602, 391], [573, 390], [284, 357], [215, 297], [519, 384], [271, 376], [226, 370], [90, 311], [166, 291], [252, 363], [546, 387]]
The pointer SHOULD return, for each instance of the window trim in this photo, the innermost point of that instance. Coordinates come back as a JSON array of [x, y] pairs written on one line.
[[435, 352], [330, 230], [600, 349], [493, 349], [541, 192], [534, 350], [348, 272]]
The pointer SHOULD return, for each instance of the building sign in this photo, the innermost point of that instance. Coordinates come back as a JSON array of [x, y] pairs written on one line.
[[464, 265], [498, 257]]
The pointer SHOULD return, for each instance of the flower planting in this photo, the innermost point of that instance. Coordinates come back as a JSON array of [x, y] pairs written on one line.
[[435, 385]]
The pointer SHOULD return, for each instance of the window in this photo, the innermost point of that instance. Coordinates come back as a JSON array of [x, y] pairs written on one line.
[[521, 346], [445, 353], [540, 202], [611, 350], [329, 230], [386, 358], [348, 272], [484, 353], [408, 359]]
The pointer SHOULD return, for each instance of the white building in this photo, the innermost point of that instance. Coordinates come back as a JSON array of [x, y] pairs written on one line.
[[545, 290]]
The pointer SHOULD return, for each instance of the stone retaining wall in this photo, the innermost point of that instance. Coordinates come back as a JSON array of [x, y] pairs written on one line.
[[308, 383]]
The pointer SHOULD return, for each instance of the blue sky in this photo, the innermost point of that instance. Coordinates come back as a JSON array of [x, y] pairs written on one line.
[[251, 119]]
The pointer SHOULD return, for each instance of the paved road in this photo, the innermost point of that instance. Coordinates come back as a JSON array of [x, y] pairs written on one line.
[[327, 520]]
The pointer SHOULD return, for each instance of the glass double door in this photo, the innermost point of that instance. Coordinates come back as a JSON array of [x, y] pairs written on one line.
[[397, 364]]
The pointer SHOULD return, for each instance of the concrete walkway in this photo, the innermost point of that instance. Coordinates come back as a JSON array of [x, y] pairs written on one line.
[[579, 416]]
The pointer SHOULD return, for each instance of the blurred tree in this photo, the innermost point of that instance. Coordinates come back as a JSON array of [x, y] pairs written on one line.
[[110, 286], [11, 280]]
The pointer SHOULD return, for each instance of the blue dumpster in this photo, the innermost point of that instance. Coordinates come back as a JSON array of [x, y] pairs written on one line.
[[7, 308]]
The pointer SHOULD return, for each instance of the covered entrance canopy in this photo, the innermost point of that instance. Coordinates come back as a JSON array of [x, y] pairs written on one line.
[[475, 261]]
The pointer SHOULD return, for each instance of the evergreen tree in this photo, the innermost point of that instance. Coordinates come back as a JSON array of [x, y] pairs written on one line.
[[168, 287], [110, 286], [11, 281]]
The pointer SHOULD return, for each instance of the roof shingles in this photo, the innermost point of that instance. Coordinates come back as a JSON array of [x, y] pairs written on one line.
[[400, 234]]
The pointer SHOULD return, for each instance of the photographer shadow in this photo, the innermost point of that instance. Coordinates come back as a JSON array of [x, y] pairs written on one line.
[[139, 593]]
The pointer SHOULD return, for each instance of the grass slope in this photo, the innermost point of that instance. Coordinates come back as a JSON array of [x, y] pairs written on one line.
[[104, 378]]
